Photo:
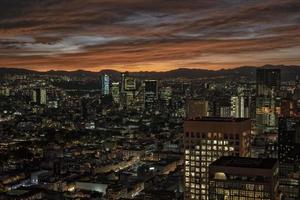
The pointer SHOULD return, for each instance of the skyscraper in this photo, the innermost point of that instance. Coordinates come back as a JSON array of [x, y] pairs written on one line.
[[129, 91], [243, 178], [150, 94], [115, 91], [39, 96], [267, 101], [105, 84], [238, 107], [289, 157], [207, 139], [166, 95]]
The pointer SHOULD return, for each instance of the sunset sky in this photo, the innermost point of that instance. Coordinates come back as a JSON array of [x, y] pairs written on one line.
[[153, 35]]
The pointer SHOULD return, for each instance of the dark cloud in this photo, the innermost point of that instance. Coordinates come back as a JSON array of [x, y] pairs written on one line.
[[164, 34]]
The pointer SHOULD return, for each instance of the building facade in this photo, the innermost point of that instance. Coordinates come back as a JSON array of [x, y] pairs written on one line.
[[267, 99], [105, 84], [289, 157], [39, 96], [207, 139], [243, 179], [150, 94]]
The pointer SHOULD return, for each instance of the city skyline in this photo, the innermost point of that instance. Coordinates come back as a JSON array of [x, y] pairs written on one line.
[[135, 35]]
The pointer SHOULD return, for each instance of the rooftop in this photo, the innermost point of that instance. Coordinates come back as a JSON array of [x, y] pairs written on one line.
[[219, 119], [243, 162]]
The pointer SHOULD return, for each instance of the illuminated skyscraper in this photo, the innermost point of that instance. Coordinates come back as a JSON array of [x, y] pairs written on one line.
[[39, 96], [225, 111], [243, 179], [115, 91], [130, 84], [267, 101], [238, 107], [128, 89], [166, 95], [207, 139], [289, 157], [150, 94], [105, 84]]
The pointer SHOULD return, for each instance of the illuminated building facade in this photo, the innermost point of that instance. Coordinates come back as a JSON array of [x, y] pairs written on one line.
[[289, 157], [206, 140], [239, 108], [166, 95], [225, 111], [39, 96], [128, 89], [243, 179], [115, 92], [105, 84], [267, 101]]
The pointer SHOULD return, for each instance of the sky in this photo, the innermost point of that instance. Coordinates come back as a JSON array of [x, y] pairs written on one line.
[[148, 35]]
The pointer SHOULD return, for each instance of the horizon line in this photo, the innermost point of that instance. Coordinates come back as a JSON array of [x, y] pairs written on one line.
[[145, 71]]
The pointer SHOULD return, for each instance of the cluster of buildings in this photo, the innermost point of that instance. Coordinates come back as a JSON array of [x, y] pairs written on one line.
[[122, 136], [248, 151]]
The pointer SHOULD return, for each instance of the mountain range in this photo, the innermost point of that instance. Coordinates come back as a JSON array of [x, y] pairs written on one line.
[[287, 72]]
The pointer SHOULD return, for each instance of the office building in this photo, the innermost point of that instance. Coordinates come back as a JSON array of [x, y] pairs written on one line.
[[105, 84], [267, 101], [206, 140], [243, 178], [289, 157], [239, 108], [130, 84], [150, 94], [196, 108], [128, 89], [39, 96], [115, 92], [166, 95], [225, 111]]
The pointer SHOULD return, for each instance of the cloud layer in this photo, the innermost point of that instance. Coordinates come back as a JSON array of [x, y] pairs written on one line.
[[148, 35]]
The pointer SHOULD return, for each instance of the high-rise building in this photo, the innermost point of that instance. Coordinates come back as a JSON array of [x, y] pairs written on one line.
[[238, 107], [243, 178], [166, 95], [123, 78], [130, 84], [128, 89], [267, 100], [39, 96], [105, 84], [196, 108], [207, 139], [289, 157], [115, 92], [150, 94], [225, 111]]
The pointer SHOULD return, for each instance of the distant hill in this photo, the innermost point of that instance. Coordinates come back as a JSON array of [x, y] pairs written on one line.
[[288, 73]]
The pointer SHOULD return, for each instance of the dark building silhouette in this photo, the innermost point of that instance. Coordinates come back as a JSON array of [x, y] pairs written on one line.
[[267, 102], [289, 157]]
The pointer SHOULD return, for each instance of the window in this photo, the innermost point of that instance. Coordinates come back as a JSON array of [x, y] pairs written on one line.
[[187, 134]]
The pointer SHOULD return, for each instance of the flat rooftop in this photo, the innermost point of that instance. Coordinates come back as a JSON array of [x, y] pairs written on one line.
[[243, 162], [219, 119]]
